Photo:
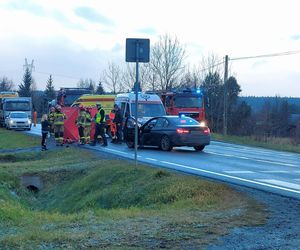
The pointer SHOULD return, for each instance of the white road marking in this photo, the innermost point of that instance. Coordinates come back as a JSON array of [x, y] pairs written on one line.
[[117, 151], [151, 159], [253, 159], [239, 172], [232, 177], [281, 183], [274, 171]]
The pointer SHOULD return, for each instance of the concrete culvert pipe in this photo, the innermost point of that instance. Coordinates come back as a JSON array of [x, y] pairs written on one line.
[[32, 183]]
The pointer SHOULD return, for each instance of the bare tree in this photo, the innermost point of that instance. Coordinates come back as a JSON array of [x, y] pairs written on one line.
[[212, 63], [87, 83], [191, 78], [167, 61], [129, 76], [112, 77], [5, 84]]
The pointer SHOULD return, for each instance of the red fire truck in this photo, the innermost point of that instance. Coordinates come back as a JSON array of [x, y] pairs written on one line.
[[185, 102]]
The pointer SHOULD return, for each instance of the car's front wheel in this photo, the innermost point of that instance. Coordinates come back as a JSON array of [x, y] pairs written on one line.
[[165, 143], [199, 148]]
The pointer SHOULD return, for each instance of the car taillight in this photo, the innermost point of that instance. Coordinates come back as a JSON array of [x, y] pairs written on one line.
[[182, 131], [206, 131]]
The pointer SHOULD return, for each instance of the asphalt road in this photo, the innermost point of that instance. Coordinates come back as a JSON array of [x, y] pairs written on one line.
[[273, 171]]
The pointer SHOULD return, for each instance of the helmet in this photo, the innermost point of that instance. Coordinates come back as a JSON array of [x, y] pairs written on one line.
[[52, 109], [98, 105], [58, 107]]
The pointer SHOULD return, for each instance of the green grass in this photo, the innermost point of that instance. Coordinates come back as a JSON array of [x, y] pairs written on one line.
[[16, 139], [90, 202], [282, 144]]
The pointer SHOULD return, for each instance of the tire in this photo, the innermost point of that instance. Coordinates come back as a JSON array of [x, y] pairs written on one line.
[[199, 148], [165, 143], [130, 144]]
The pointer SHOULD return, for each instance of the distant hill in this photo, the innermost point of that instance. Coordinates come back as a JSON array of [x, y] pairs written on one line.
[[256, 103]]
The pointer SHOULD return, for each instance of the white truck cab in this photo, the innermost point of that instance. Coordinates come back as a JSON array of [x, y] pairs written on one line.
[[149, 105]]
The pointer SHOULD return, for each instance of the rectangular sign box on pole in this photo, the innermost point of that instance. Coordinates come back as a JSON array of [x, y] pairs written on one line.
[[137, 50]]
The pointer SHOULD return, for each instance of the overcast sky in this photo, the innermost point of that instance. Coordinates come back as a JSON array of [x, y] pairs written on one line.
[[73, 39]]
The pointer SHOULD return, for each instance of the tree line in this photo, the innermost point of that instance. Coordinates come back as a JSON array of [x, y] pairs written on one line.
[[166, 71]]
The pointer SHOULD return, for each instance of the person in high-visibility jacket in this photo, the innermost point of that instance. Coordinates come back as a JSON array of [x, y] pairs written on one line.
[[87, 125], [58, 122], [113, 126], [80, 122], [99, 119]]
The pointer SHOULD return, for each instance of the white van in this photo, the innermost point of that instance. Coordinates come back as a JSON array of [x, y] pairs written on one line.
[[149, 105]]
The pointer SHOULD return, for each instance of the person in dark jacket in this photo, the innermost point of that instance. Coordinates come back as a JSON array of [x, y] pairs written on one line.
[[45, 130], [118, 121]]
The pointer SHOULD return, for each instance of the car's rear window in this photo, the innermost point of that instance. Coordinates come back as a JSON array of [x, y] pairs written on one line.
[[184, 121]]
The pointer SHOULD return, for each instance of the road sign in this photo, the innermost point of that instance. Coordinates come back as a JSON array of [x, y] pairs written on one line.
[[137, 50]]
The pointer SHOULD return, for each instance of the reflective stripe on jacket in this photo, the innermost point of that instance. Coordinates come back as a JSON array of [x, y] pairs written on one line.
[[59, 118]]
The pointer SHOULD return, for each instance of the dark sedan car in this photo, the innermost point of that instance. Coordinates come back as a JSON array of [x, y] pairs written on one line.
[[167, 132]]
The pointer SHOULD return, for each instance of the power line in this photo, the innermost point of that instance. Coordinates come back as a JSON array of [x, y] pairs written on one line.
[[65, 76], [287, 53], [215, 65]]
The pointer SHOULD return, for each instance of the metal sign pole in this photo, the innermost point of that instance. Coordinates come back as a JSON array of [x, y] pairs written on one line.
[[137, 50], [136, 104]]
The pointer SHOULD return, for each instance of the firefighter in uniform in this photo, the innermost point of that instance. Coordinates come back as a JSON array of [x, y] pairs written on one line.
[[51, 120], [87, 125], [80, 122], [99, 119], [58, 123]]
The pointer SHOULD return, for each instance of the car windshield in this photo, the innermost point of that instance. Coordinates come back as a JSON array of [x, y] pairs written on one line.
[[188, 102], [17, 106], [18, 115], [184, 121], [148, 109]]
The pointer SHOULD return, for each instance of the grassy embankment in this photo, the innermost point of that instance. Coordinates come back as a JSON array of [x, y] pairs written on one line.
[[14, 139], [282, 144], [90, 202]]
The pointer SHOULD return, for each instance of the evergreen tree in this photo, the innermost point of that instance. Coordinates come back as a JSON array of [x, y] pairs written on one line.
[[25, 87], [100, 89], [49, 91], [233, 90], [213, 89]]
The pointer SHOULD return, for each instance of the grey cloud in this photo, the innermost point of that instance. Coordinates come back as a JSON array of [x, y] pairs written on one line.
[[295, 37], [93, 16], [29, 6], [60, 17]]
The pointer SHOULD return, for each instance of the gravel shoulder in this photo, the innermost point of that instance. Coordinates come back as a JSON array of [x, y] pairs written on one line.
[[280, 232]]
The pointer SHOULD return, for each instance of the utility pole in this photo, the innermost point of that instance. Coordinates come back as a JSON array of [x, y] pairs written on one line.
[[225, 96]]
